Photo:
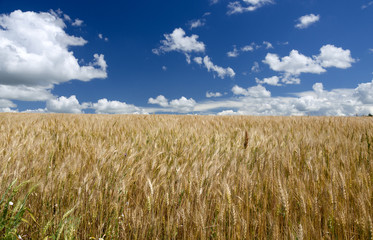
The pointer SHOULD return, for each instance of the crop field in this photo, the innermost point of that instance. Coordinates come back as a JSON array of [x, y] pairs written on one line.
[[185, 177]]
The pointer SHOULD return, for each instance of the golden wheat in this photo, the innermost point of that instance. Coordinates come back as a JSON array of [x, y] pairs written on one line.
[[190, 177]]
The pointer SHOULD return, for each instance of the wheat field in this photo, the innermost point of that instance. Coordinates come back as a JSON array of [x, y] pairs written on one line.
[[185, 177]]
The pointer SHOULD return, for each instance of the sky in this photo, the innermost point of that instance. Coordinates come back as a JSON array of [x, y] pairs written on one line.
[[207, 57]]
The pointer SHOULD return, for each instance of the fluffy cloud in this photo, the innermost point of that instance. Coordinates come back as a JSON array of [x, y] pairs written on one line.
[[331, 56], [258, 101], [103, 106], [254, 92], [24, 93], [274, 81], [210, 66], [364, 92], [34, 51], [160, 100], [212, 94], [64, 105], [307, 20], [177, 41], [246, 6], [6, 105], [296, 63], [182, 105]]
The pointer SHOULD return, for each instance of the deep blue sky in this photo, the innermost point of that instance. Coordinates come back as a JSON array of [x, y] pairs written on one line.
[[135, 74]]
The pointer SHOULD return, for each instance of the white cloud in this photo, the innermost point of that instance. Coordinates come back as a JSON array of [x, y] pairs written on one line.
[[230, 113], [160, 100], [77, 22], [100, 36], [248, 48], [367, 5], [213, 1], [177, 41], [198, 60], [197, 23], [24, 93], [233, 53], [65, 16], [34, 51], [274, 81], [256, 92], [182, 105], [7, 110], [4, 103], [64, 105], [222, 72], [332, 56], [212, 94], [307, 20], [296, 63], [246, 6], [255, 68], [268, 45], [339, 102], [187, 58], [103, 106], [164, 68], [364, 93]]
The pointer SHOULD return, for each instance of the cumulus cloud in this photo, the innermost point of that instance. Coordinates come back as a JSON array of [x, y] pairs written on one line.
[[210, 66], [248, 48], [178, 41], [364, 92], [256, 92], [274, 81], [34, 51], [104, 106], [307, 20], [160, 100], [336, 102], [296, 63], [198, 60], [64, 105], [24, 93], [182, 105], [331, 56], [246, 6], [5, 104], [212, 94]]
